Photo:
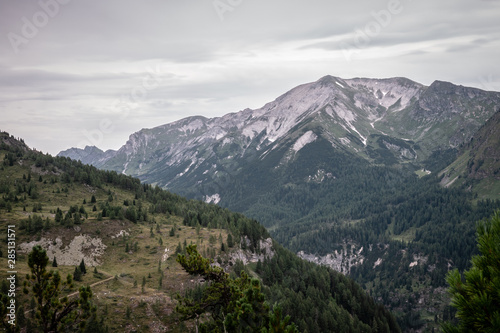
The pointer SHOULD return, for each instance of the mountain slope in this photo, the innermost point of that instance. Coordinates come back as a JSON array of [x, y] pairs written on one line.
[[485, 148], [128, 231], [478, 163]]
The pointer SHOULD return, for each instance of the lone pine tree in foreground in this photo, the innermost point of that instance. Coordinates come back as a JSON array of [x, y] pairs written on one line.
[[54, 313], [477, 300], [232, 305]]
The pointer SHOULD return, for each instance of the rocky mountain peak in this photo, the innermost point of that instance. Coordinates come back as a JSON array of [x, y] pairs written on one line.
[[380, 120]]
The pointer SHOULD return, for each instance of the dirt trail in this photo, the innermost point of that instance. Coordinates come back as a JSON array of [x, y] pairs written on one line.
[[92, 285], [77, 292]]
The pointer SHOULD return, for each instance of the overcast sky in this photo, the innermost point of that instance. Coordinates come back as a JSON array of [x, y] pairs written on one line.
[[92, 72]]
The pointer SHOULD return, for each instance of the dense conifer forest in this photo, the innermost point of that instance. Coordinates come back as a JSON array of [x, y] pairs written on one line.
[[387, 212]]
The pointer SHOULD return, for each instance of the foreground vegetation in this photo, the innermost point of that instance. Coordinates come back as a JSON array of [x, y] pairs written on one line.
[[477, 300]]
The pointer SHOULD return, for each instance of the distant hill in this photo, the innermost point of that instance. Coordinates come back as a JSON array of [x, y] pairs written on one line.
[[89, 155]]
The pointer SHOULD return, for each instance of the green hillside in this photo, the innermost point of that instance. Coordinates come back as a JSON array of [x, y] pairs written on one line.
[[395, 233], [478, 164], [129, 233]]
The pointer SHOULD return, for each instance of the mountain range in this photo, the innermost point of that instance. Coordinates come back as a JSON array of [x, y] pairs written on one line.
[[384, 121], [381, 179]]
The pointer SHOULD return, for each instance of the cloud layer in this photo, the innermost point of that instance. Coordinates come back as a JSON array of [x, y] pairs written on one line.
[[69, 68]]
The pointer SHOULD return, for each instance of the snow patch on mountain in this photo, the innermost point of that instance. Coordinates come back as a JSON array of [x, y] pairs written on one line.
[[305, 139]]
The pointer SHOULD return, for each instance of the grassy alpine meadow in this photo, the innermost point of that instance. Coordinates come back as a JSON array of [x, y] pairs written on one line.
[[133, 271]]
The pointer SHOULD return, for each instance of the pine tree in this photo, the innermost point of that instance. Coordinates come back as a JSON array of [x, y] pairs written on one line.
[[477, 300], [229, 241], [249, 309], [77, 218], [52, 312], [82, 267], [240, 301], [77, 274], [54, 262], [128, 312], [178, 249], [278, 324], [21, 319]]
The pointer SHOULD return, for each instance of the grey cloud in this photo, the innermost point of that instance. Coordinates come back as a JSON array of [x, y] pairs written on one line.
[[93, 52]]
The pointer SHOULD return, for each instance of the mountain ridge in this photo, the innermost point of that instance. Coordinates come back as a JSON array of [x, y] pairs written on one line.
[[352, 114]]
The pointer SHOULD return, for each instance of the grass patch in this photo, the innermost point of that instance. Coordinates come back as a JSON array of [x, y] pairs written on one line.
[[487, 189]]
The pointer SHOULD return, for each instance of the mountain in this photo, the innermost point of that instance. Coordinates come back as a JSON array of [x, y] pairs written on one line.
[[343, 172], [384, 121], [478, 163], [129, 232], [485, 151], [89, 155]]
